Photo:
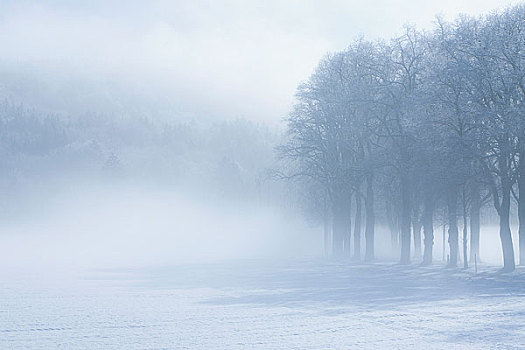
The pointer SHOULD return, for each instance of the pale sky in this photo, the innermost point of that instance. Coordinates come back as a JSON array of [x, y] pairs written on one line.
[[205, 59]]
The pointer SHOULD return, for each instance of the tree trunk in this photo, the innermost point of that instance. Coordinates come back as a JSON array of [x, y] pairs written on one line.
[[405, 220], [357, 228], [428, 228], [504, 226], [452, 207], [326, 229], [348, 230], [475, 208], [444, 235], [391, 224], [521, 204], [416, 226], [370, 218], [465, 225], [340, 222]]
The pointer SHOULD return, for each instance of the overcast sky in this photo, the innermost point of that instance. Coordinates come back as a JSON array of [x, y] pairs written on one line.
[[222, 59]]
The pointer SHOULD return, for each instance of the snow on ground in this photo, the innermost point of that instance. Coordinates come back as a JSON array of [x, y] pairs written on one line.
[[313, 304]]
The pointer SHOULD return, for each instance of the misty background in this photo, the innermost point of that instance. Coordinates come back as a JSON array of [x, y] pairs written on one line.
[[185, 60], [144, 132]]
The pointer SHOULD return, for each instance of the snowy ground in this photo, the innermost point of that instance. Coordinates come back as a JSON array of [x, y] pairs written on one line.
[[256, 305]]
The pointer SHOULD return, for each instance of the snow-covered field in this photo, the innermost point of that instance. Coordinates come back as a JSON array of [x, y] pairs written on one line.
[[313, 304]]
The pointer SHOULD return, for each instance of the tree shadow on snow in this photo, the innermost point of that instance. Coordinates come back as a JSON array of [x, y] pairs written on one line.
[[330, 284]]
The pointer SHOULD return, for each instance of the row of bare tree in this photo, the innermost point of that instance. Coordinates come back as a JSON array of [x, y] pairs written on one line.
[[426, 122]]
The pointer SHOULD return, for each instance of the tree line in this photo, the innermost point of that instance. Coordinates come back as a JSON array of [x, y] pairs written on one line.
[[428, 122], [40, 149]]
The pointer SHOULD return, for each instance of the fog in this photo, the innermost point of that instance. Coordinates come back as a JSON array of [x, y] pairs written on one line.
[[187, 59], [97, 192], [173, 63], [262, 174], [123, 227], [147, 90]]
